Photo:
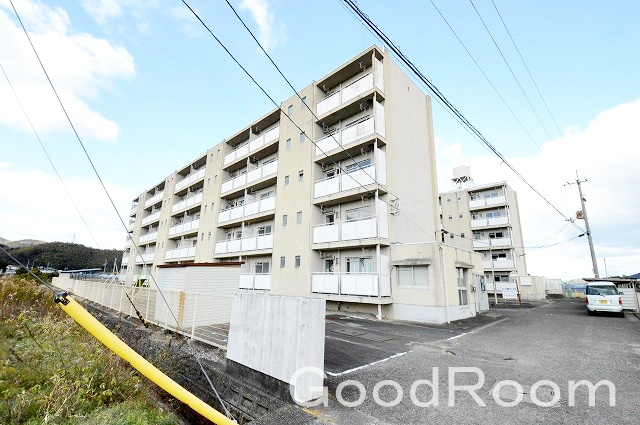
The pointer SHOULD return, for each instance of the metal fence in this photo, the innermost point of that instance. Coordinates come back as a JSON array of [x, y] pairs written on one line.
[[192, 314]]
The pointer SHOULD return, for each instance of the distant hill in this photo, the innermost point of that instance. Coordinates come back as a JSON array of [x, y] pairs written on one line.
[[59, 255]]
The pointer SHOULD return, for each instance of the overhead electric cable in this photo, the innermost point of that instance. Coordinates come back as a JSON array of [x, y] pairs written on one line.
[[527, 68], [511, 70], [434, 90]]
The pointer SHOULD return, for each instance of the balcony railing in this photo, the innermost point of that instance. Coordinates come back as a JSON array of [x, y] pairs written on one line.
[[128, 243], [251, 208], [145, 258], [148, 237], [151, 218], [487, 202], [125, 260], [134, 210], [495, 242], [184, 227], [187, 203], [252, 145], [190, 179], [484, 222], [371, 227], [355, 284], [250, 243], [154, 199], [507, 263], [255, 281], [349, 181], [351, 91], [266, 170], [180, 253]]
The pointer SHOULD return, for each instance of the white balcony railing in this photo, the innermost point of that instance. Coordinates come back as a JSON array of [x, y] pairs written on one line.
[[125, 260], [148, 237], [350, 91], [348, 181], [484, 222], [187, 203], [255, 281], [507, 263], [496, 242], [154, 199], [487, 202], [251, 208], [134, 210], [350, 230], [184, 227], [266, 170], [151, 218], [128, 243], [356, 284], [252, 145], [250, 243], [145, 258], [180, 253], [190, 179]]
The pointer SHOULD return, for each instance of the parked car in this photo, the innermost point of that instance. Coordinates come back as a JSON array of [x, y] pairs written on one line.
[[603, 297]]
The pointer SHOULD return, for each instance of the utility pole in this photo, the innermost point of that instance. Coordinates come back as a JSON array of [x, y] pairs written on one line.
[[586, 223]]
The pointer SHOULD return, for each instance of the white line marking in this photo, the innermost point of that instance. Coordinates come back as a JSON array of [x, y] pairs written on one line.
[[367, 365], [457, 336]]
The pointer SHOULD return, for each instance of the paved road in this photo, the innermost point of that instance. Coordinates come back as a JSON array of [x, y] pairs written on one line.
[[556, 342]]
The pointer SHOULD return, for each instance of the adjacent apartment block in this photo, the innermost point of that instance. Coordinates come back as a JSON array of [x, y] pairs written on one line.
[[332, 195], [485, 218]]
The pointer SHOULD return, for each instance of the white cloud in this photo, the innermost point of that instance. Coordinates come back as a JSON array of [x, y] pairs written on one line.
[[606, 153], [102, 10], [271, 33], [79, 66], [106, 11], [40, 208]]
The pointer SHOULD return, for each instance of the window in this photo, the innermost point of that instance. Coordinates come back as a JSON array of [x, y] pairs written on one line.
[[284, 220], [462, 287], [450, 217], [264, 230], [205, 208], [267, 194], [360, 213], [414, 276], [460, 215], [202, 236], [359, 265], [448, 199], [304, 101], [209, 236], [490, 195], [288, 143], [302, 137], [208, 182], [328, 265], [459, 198], [215, 178], [299, 217], [492, 214], [289, 109], [297, 261], [493, 235], [300, 175], [357, 166], [474, 197], [286, 180], [331, 173], [329, 218], [218, 153], [498, 256], [239, 235], [262, 268], [282, 262]]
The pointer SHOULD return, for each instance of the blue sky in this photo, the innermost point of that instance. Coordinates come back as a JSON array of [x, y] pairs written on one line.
[[148, 90]]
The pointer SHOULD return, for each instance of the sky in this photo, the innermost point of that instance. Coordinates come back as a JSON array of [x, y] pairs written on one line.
[[553, 86]]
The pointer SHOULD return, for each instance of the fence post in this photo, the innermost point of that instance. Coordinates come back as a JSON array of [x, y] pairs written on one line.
[[146, 313], [195, 310], [120, 306]]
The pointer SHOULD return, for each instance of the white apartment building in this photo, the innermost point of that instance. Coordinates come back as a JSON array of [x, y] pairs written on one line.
[[485, 218], [334, 195]]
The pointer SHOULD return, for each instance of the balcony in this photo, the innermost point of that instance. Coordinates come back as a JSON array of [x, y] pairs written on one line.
[[187, 203], [149, 237], [252, 145], [372, 227], [127, 243], [495, 243], [503, 263], [187, 253], [248, 244], [487, 202], [489, 222], [154, 199], [125, 261], [188, 226], [151, 218], [246, 210], [352, 284], [145, 258], [255, 281], [345, 182], [350, 91], [190, 179], [134, 210], [268, 169]]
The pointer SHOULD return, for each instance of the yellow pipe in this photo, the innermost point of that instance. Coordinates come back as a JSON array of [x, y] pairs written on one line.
[[115, 344]]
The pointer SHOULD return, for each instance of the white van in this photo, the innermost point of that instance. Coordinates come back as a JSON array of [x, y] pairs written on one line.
[[603, 296]]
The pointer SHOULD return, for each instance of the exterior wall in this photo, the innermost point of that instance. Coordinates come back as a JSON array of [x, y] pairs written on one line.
[[532, 288]]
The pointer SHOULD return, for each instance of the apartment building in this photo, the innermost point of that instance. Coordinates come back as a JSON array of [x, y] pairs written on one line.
[[485, 218], [333, 195]]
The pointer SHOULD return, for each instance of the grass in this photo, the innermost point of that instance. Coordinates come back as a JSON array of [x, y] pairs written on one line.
[[52, 371]]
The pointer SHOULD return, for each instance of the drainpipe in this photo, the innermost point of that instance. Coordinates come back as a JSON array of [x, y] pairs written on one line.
[[444, 282]]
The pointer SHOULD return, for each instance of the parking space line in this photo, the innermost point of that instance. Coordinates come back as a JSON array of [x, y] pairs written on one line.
[[367, 365]]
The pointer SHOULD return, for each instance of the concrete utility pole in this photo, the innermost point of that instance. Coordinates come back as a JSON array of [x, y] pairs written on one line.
[[586, 223]]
